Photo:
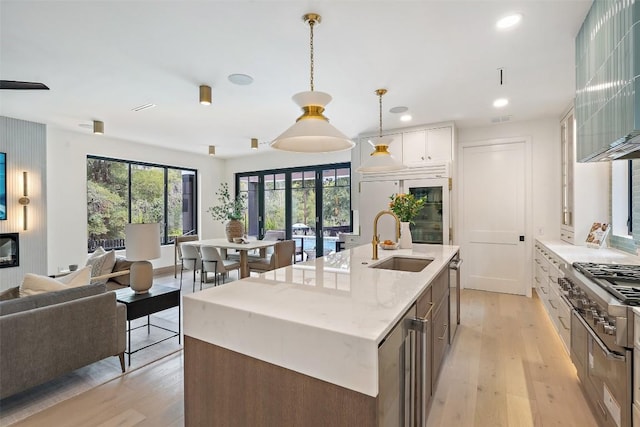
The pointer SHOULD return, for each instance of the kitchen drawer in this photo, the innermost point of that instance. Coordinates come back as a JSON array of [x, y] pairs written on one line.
[[567, 236], [563, 323], [636, 415], [439, 288]]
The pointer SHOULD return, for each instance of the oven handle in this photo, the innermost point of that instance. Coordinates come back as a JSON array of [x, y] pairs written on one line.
[[609, 354]]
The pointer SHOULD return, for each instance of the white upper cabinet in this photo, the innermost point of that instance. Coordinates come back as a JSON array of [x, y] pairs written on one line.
[[427, 146], [395, 147]]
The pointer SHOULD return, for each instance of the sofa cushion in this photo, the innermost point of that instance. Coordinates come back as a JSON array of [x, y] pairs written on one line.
[[34, 284], [10, 293], [42, 300], [101, 262], [121, 264]]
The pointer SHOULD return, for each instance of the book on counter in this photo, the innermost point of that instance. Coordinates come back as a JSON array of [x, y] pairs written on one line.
[[598, 234]]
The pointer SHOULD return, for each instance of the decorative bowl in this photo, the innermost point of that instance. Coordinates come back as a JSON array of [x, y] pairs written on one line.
[[389, 247]]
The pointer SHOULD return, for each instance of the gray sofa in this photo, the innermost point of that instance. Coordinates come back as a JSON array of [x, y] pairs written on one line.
[[47, 335]]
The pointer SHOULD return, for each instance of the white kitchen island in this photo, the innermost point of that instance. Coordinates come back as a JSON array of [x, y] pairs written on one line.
[[322, 320]]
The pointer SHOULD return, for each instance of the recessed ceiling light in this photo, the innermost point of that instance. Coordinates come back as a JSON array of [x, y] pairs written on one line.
[[240, 79], [508, 21], [500, 102], [399, 109], [406, 118]]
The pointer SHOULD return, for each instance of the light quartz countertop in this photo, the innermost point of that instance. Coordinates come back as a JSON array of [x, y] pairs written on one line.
[[323, 318], [572, 253]]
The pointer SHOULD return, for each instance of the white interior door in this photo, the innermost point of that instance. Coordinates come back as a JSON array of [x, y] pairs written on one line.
[[493, 205]]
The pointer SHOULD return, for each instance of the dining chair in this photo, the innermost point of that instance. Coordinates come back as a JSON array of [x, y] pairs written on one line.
[[282, 256], [190, 259], [212, 261], [177, 249]]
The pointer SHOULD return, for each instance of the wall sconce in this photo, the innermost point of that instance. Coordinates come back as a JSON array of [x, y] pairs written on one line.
[[24, 200], [254, 143], [98, 127], [205, 95], [212, 150]]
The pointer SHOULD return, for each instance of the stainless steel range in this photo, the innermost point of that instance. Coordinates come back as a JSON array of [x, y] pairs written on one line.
[[602, 296]]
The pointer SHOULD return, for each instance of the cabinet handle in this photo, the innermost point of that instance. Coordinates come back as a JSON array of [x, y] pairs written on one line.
[[444, 332], [426, 315], [563, 324], [537, 261], [551, 304], [537, 280], [543, 290]]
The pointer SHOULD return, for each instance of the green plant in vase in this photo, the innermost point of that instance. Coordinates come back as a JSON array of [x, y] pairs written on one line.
[[406, 207], [230, 209]]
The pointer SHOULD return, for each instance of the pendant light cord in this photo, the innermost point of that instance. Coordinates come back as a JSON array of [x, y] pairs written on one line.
[[380, 128], [311, 24]]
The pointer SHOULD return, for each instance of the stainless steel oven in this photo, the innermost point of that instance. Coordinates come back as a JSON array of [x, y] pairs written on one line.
[[605, 375], [601, 341]]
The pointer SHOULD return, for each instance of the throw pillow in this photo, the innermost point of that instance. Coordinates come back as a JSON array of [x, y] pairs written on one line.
[[101, 262], [34, 284], [77, 278]]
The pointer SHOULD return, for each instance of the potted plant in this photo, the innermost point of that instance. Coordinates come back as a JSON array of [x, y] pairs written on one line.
[[231, 210], [406, 207]]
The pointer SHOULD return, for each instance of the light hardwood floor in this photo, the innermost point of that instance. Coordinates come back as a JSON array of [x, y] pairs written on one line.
[[507, 367]]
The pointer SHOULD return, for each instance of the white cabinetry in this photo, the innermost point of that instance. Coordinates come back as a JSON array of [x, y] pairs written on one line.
[[425, 146], [585, 196], [547, 275]]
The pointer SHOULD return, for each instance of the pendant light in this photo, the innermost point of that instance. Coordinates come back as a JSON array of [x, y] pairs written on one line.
[[312, 132], [381, 159]]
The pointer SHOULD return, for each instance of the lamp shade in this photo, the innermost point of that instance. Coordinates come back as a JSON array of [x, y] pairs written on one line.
[[312, 132], [381, 160], [142, 241]]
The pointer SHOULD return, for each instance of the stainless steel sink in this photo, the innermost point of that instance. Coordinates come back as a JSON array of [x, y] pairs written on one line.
[[401, 263]]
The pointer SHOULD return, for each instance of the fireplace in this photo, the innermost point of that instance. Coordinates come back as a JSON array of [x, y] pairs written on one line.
[[9, 251]]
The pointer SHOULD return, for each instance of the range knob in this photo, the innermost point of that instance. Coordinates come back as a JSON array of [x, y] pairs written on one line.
[[610, 329]]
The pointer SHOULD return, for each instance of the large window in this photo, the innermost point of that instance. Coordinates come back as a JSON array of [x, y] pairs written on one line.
[[311, 205], [121, 192]]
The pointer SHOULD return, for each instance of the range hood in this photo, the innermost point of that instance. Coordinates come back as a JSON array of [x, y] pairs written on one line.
[[608, 82]]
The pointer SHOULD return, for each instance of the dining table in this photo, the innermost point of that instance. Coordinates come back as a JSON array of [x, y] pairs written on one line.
[[243, 248]]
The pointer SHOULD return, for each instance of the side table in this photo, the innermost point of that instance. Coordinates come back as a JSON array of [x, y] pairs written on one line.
[[158, 298]]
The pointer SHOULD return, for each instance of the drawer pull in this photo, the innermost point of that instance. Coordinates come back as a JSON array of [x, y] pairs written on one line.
[[426, 315], [543, 290], [444, 332], [563, 324], [551, 304]]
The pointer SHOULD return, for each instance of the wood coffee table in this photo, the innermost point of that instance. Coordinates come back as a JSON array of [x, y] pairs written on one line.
[[158, 298]]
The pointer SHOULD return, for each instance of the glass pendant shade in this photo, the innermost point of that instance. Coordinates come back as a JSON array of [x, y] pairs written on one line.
[[381, 160], [312, 132]]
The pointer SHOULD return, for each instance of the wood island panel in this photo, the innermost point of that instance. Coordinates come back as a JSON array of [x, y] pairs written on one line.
[[225, 388]]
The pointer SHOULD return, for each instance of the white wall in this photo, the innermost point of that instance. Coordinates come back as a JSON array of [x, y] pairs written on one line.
[[67, 189], [546, 179]]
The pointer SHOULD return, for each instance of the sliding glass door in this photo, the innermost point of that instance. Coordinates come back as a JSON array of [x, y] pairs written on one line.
[[310, 205]]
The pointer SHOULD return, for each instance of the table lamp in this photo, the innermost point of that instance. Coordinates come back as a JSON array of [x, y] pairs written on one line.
[[142, 242]]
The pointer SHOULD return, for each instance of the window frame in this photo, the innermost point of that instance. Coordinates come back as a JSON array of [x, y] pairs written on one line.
[[166, 239]]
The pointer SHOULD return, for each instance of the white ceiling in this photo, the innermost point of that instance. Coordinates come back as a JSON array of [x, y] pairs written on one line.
[[439, 58]]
